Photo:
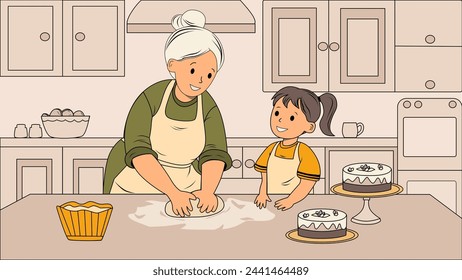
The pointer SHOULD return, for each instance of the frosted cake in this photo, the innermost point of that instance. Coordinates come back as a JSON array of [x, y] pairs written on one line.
[[367, 177], [322, 223]]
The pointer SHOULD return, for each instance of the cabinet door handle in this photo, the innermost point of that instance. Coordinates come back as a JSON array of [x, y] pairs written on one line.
[[249, 163], [430, 39], [237, 163], [430, 84], [80, 36], [323, 46], [45, 36], [334, 46]]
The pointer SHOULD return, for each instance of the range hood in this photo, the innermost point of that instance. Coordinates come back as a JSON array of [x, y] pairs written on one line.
[[222, 16]]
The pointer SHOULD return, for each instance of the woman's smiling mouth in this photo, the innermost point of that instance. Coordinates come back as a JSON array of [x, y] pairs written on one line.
[[194, 88], [281, 129]]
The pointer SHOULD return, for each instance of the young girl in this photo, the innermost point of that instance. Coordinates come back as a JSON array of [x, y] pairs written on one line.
[[288, 166]]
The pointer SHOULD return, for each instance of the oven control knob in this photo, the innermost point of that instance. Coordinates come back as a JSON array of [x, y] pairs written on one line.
[[407, 104], [418, 104], [452, 104]]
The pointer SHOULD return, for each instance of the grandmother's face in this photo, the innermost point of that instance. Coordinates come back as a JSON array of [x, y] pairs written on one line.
[[194, 75]]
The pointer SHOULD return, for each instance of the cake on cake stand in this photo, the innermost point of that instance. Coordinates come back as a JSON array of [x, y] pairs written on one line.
[[366, 216]]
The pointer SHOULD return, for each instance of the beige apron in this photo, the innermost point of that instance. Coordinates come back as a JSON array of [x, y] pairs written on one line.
[[282, 172], [177, 144]]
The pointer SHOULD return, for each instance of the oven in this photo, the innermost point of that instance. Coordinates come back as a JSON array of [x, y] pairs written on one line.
[[430, 149]]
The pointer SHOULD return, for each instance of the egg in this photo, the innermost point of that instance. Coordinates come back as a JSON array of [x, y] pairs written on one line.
[[56, 112], [68, 113], [79, 113]]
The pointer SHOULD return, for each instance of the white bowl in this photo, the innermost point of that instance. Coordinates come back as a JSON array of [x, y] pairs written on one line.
[[65, 127]]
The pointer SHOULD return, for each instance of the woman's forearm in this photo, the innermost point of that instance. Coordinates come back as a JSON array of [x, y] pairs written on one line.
[[150, 169], [212, 171]]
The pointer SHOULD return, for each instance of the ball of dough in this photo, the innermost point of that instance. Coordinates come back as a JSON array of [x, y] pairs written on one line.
[[68, 113], [56, 113], [45, 115]]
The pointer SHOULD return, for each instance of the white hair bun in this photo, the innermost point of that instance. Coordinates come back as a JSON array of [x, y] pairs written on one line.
[[189, 18]]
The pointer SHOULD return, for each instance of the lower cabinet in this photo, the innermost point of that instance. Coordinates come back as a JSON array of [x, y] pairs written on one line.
[[83, 170], [27, 171], [51, 170]]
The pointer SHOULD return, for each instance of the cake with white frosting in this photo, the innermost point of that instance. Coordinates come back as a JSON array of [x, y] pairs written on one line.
[[322, 223], [367, 177]]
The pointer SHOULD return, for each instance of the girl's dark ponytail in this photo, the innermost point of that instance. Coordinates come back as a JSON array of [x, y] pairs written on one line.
[[329, 106]]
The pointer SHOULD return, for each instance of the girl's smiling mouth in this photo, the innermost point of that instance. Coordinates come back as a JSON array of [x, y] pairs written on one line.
[[281, 129], [194, 88]]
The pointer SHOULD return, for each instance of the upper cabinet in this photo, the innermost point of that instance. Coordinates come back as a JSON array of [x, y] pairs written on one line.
[[328, 45], [62, 38], [349, 46], [428, 46], [31, 36]]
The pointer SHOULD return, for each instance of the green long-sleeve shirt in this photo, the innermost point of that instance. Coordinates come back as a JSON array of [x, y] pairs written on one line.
[[138, 130]]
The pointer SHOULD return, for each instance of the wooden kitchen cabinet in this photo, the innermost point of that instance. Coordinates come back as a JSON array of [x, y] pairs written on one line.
[[29, 170], [62, 38], [83, 170], [329, 50], [428, 46], [31, 38], [295, 42], [93, 38]]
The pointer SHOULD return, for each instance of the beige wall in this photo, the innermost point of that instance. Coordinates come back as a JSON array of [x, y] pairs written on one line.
[[237, 90]]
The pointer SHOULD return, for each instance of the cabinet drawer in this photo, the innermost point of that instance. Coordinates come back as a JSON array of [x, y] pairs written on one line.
[[433, 23], [251, 155], [428, 69]]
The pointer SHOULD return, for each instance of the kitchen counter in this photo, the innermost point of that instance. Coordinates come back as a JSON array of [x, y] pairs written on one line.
[[412, 227]]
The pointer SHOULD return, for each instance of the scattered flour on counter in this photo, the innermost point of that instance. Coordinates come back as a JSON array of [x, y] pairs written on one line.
[[234, 213]]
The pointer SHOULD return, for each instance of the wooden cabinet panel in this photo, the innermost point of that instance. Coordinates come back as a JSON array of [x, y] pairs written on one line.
[[428, 69], [295, 44], [425, 23], [361, 42], [83, 169], [93, 38], [29, 170], [31, 38]]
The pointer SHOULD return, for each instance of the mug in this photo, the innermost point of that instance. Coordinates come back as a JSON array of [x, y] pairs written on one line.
[[352, 129]]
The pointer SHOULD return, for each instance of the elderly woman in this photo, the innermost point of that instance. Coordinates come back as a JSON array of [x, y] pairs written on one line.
[[174, 139]]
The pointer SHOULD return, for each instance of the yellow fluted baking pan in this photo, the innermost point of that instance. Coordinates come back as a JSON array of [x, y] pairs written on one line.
[[87, 221]]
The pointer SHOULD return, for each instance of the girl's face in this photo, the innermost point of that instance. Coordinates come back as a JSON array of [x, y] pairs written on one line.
[[289, 122], [194, 75]]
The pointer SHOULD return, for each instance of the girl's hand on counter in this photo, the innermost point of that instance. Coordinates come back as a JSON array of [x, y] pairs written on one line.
[[208, 201], [261, 200], [181, 203], [284, 204]]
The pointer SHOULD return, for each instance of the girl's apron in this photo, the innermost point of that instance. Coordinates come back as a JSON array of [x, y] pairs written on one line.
[[282, 172], [177, 144]]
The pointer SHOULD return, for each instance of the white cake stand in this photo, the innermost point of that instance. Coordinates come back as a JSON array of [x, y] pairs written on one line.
[[366, 216]]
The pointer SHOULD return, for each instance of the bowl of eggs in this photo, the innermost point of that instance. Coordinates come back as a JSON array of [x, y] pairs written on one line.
[[65, 123]]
